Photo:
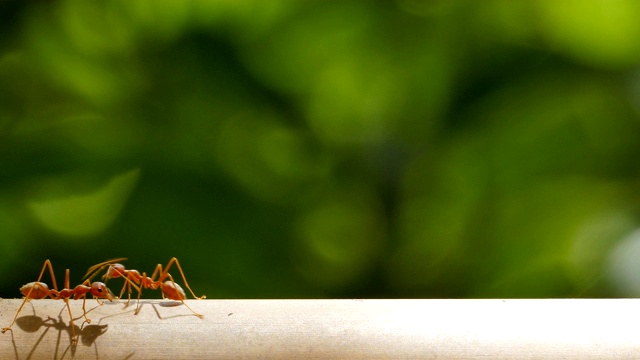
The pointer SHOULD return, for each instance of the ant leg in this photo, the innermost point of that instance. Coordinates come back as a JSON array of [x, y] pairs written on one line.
[[84, 302], [107, 278], [123, 285], [122, 292], [161, 276], [74, 339], [175, 286], [84, 310], [8, 328], [84, 298], [158, 271], [144, 275], [47, 264], [129, 282], [67, 283], [166, 272]]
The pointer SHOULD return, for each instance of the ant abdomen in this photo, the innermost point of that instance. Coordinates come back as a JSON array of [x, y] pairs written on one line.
[[35, 290], [173, 291]]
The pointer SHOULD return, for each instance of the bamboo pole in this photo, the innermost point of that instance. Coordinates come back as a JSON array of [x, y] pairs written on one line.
[[326, 329]]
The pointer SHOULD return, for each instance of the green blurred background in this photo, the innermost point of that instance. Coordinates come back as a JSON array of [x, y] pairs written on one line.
[[320, 149]]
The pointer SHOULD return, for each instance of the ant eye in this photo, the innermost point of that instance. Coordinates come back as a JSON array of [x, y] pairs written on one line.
[[100, 289]]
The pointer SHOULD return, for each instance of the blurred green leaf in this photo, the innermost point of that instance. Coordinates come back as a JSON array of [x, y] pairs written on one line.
[[83, 214]]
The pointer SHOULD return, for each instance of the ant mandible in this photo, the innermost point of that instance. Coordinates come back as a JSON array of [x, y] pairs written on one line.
[[40, 290], [138, 281]]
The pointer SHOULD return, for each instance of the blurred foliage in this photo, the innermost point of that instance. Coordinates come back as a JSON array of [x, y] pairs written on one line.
[[409, 148]]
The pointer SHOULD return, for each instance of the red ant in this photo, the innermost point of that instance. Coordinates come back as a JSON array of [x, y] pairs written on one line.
[[40, 290], [133, 279]]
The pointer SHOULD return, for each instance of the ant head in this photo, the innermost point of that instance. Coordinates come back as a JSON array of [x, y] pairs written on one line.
[[114, 271], [100, 290], [173, 291]]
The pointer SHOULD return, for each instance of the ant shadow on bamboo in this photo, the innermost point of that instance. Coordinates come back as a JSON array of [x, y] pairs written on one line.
[[88, 334], [40, 290], [160, 279]]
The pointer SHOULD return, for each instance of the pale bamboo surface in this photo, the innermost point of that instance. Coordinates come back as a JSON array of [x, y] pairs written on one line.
[[328, 329]]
